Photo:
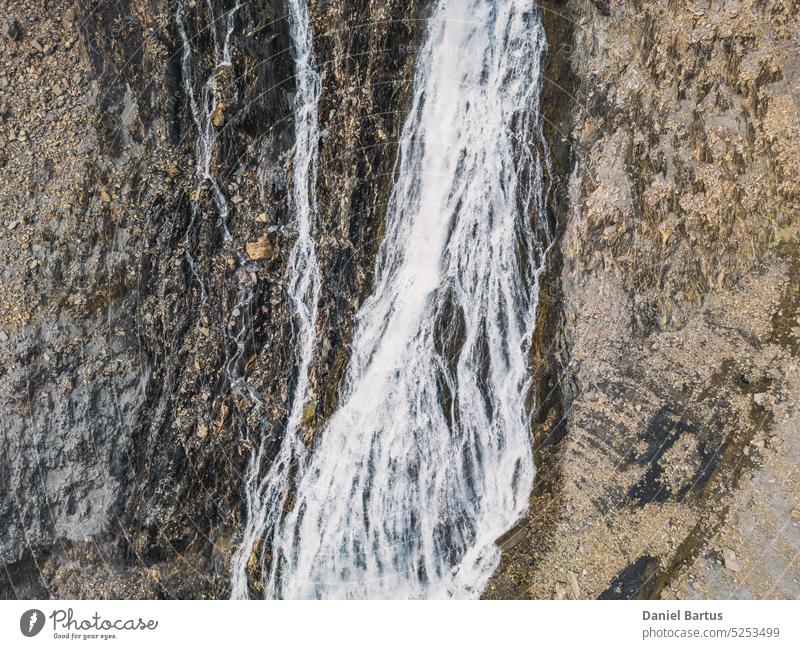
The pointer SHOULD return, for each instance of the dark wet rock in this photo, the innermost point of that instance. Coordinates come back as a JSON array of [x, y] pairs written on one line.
[[629, 583], [603, 6], [12, 30]]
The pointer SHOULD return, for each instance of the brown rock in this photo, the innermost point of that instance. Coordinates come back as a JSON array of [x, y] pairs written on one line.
[[511, 538], [260, 249], [309, 413], [218, 116]]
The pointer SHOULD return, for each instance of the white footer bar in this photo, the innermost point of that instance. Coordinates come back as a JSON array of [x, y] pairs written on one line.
[[398, 624]]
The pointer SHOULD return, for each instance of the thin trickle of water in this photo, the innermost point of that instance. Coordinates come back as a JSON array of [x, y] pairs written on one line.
[[203, 109], [266, 495], [428, 458], [238, 328], [203, 106]]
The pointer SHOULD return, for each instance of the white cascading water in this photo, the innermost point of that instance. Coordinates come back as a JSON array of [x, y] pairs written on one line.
[[428, 458], [266, 495]]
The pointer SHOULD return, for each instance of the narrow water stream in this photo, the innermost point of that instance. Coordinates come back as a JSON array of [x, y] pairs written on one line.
[[266, 495]]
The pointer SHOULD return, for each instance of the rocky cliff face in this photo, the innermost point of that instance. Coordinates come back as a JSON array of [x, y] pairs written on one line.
[[147, 353], [669, 465]]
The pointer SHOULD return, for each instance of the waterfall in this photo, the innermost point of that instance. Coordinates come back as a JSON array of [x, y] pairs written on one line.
[[428, 458], [266, 495]]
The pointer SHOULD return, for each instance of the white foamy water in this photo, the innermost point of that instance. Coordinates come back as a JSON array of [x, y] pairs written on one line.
[[428, 458], [266, 495]]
